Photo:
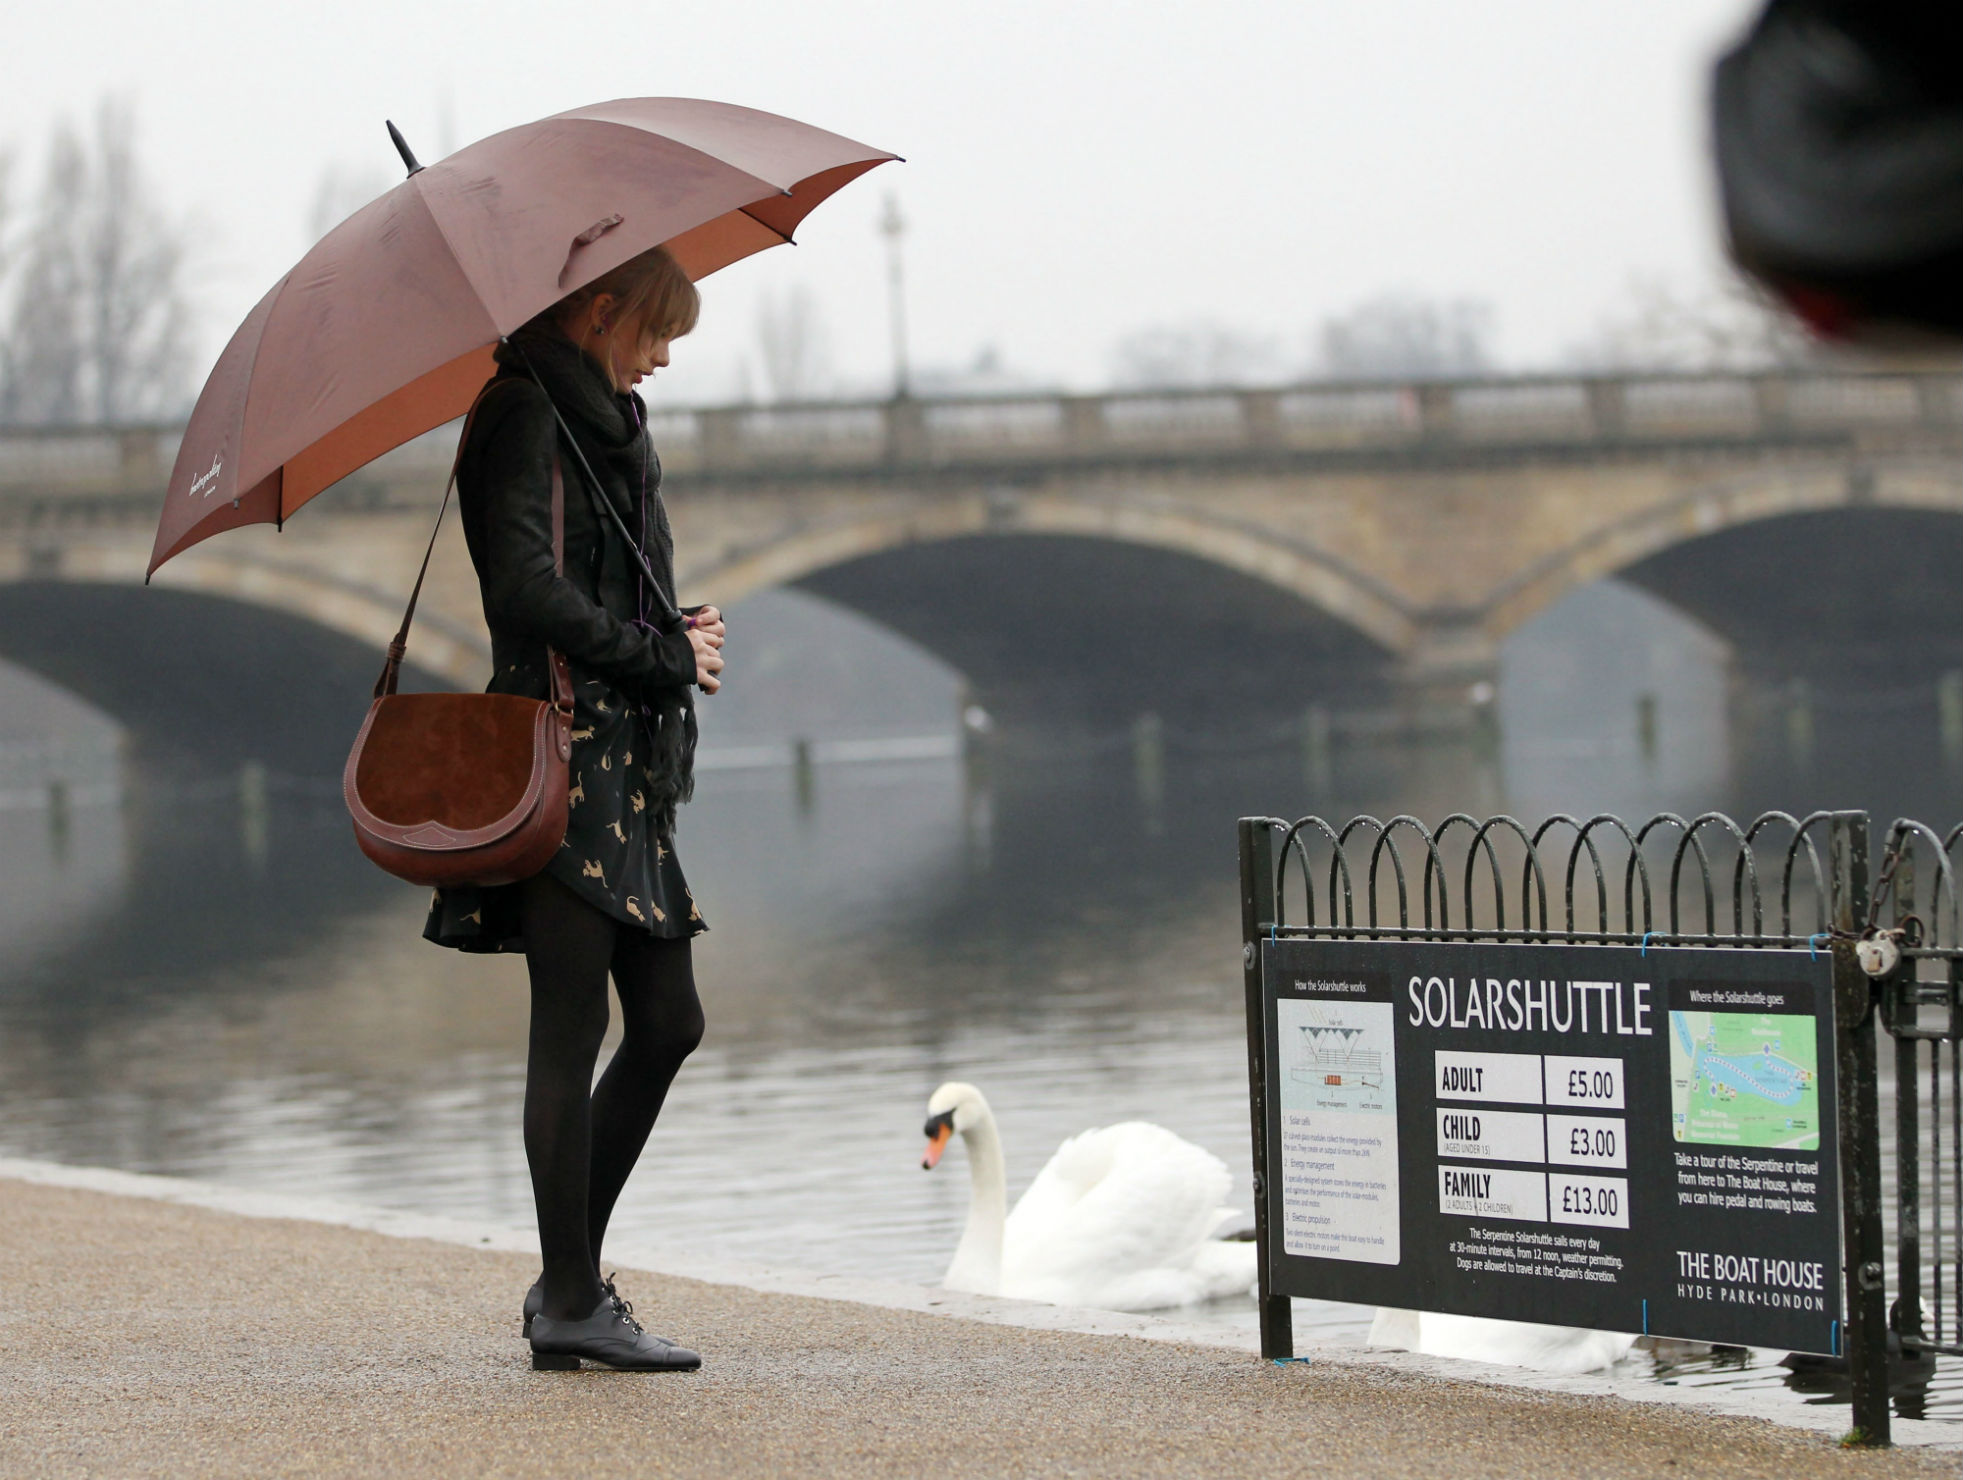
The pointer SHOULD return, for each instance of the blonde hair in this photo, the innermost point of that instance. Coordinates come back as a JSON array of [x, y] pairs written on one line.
[[651, 289]]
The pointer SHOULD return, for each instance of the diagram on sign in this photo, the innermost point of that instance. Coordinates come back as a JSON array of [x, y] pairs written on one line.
[[1341, 1053], [1745, 1079]]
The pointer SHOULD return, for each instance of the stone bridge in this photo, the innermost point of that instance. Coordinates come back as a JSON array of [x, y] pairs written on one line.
[[1105, 551]]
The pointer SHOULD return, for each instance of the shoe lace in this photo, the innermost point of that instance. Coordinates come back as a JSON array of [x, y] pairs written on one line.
[[623, 1309]]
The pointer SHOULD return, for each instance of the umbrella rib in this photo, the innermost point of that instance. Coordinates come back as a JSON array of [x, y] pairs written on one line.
[[456, 261], [436, 222], [781, 236]]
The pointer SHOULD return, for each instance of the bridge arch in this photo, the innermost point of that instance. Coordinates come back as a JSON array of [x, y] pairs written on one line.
[[202, 678], [1060, 610], [1316, 577], [309, 589], [1732, 503]]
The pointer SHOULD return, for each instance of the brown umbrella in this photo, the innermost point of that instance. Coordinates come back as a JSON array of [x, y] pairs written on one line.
[[385, 329]]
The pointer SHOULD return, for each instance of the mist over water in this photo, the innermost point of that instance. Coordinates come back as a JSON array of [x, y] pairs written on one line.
[[207, 979]]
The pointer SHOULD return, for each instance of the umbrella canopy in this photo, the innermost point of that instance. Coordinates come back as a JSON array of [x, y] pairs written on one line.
[[385, 329]]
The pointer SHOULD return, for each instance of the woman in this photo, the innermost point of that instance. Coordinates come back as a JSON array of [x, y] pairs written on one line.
[[613, 900]]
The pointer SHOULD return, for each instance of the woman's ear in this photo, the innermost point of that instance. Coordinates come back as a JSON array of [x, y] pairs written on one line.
[[602, 312]]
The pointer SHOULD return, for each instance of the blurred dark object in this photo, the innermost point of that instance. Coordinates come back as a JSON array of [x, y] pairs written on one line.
[[1839, 133]]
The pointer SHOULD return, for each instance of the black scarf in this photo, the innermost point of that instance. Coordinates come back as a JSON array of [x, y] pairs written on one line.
[[610, 428]]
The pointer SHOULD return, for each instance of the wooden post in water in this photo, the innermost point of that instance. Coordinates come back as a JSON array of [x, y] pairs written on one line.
[[1148, 757], [254, 813], [804, 774], [1949, 716], [1317, 770]]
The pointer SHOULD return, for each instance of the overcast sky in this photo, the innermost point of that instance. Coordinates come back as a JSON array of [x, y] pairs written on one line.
[[1076, 171]]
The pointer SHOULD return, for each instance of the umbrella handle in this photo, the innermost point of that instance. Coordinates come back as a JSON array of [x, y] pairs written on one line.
[[670, 615]]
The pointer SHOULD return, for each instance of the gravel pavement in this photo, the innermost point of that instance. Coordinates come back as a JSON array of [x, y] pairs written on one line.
[[145, 1338]]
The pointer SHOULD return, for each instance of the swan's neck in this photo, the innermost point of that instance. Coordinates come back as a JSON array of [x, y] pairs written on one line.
[[977, 1266]]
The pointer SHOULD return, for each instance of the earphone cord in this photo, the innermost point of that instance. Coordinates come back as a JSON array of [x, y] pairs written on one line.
[[640, 574]]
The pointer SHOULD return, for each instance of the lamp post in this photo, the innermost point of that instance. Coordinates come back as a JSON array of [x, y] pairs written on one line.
[[893, 227]]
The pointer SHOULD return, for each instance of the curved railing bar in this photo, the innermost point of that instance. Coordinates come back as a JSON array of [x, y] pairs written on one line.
[[1387, 840], [1642, 836], [1574, 853], [1633, 868], [1434, 868], [1478, 841], [1370, 881], [1693, 845], [1582, 840], [1945, 876], [1948, 875], [1292, 842], [1530, 871], [1637, 866], [1745, 869], [1799, 826]]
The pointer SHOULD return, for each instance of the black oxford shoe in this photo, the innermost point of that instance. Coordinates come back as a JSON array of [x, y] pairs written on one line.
[[610, 1337]]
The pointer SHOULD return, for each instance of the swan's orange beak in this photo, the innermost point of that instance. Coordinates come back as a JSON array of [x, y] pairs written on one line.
[[940, 1130]]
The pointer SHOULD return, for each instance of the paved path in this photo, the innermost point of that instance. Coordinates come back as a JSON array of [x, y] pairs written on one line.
[[145, 1338]]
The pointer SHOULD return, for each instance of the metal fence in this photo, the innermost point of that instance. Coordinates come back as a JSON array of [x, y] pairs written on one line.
[[1778, 881]]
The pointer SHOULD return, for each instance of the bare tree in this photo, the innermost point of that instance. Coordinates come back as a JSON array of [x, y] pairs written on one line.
[[1196, 354], [44, 347], [1658, 325], [100, 326], [793, 345], [1399, 335], [6, 215]]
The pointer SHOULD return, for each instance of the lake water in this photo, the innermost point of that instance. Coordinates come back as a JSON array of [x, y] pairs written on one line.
[[208, 980]]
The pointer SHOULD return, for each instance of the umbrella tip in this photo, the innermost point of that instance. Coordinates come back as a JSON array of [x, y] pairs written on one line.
[[402, 147]]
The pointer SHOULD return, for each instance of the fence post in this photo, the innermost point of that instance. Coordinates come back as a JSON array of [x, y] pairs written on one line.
[[1257, 859], [1860, 1136], [1905, 1315]]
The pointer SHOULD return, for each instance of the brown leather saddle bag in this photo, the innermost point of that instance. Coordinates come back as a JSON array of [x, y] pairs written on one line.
[[463, 788]]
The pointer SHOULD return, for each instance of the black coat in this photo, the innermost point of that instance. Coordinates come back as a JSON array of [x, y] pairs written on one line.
[[626, 645], [504, 489]]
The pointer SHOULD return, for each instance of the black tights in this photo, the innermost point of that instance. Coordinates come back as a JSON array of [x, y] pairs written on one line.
[[582, 1139]]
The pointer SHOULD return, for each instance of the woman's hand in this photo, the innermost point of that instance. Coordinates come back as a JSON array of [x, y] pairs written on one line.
[[705, 635]]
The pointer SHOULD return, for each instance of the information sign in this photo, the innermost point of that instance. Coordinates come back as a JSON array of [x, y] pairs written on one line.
[[1578, 1135]]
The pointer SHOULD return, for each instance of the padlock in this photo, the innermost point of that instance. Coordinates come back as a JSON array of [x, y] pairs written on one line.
[[1879, 955]]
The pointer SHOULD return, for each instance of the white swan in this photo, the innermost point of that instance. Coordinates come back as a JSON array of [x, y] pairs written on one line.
[[1510, 1343], [1122, 1218]]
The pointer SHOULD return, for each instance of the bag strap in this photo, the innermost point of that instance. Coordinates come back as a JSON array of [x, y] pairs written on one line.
[[555, 661], [560, 674]]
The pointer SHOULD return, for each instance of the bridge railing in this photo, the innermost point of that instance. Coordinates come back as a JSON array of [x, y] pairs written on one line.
[[1318, 418]]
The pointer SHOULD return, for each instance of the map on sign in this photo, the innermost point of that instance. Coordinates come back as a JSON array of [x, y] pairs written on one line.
[[1745, 1079]]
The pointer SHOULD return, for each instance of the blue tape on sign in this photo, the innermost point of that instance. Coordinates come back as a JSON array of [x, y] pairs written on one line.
[[1271, 932], [1645, 1318], [1833, 1338], [1646, 939], [1813, 942]]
